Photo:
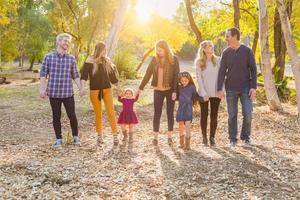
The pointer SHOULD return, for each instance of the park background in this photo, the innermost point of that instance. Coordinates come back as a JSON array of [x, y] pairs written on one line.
[[31, 169]]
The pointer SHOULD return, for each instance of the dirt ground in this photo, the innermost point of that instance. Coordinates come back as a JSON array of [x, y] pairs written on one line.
[[31, 169]]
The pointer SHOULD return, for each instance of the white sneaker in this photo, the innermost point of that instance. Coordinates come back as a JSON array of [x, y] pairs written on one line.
[[76, 140], [58, 143]]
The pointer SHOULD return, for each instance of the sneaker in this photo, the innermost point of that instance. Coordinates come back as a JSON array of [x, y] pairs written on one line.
[[116, 140], [76, 140], [100, 140], [232, 144], [58, 143]]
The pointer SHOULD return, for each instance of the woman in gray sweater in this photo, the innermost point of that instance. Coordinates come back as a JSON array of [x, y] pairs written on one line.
[[207, 69]]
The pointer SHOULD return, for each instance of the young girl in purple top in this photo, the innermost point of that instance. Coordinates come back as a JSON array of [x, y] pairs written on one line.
[[127, 116]]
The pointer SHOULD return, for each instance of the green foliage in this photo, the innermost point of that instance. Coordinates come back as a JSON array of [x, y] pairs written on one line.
[[81, 58], [188, 50], [126, 64]]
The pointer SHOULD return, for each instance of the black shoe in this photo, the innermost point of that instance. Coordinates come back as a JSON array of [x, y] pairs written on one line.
[[247, 142], [205, 141], [212, 141]]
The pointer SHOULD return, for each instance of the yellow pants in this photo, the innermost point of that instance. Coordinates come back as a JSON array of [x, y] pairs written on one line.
[[109, 106]]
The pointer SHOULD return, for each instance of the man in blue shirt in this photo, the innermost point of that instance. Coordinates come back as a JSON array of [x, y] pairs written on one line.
[[60, 69], [238, 71]]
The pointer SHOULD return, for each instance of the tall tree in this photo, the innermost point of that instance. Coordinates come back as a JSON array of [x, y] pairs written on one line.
[[237, 13], [270, 89], [279, 43], [114, 33], [192, 20], [291, 46]]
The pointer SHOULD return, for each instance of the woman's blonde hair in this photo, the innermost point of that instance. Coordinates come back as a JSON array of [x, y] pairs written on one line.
[[96, 59], [201, 58], [168, 52]]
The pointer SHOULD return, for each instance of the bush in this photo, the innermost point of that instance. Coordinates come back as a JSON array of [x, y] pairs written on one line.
[[188, 51], [126, 63]]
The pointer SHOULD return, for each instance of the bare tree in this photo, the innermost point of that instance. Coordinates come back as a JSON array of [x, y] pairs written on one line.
[[291, 46], [270, 89]]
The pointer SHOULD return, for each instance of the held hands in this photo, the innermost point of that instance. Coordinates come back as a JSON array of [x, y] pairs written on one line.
[[252, 93], [174, 96], [206, 98], [82, 91]]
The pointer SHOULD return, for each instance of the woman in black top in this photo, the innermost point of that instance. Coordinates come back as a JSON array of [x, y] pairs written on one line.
[[163, 69], [102, 74]]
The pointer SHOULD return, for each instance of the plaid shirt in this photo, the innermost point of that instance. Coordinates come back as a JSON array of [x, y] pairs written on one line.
[[60, 70]]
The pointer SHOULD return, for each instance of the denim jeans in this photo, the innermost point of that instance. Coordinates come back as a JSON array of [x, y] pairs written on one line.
[[232, 98]]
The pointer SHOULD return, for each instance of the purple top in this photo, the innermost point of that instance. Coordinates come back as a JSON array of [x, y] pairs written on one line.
[[128, 103], [238, 69], [60, 70]]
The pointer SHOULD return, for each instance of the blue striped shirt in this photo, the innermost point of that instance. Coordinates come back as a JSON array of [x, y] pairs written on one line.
[[60, 70]]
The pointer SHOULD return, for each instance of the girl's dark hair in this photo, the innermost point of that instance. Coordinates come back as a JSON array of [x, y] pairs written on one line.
[[191, 82], [186, 75]]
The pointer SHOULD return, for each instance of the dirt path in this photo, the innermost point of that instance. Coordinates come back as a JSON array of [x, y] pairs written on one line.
[[31, 169]]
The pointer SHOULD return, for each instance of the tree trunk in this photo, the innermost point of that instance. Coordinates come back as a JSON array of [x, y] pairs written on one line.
[[118, 21], [279, 43], [31, 64], [21, 60], [255, 41], [237, 13], [279, 48], [192, 21], [291, 46], [144, 58], [270, 89]]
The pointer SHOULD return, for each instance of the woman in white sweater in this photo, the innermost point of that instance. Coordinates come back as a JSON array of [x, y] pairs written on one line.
[[207, 68]]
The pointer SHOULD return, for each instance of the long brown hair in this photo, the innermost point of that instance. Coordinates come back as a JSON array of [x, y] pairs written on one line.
[[168, 52], [97, 59], [201, 59]]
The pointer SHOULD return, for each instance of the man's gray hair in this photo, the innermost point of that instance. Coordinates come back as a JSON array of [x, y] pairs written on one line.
[[63, 35]]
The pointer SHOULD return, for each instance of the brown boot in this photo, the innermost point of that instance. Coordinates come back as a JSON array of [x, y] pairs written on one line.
[[187, 143], [125, 136], [170, 141], [130, 137], [181, 141]]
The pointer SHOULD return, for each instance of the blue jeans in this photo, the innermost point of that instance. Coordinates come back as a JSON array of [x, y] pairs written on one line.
[[232, 98]]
